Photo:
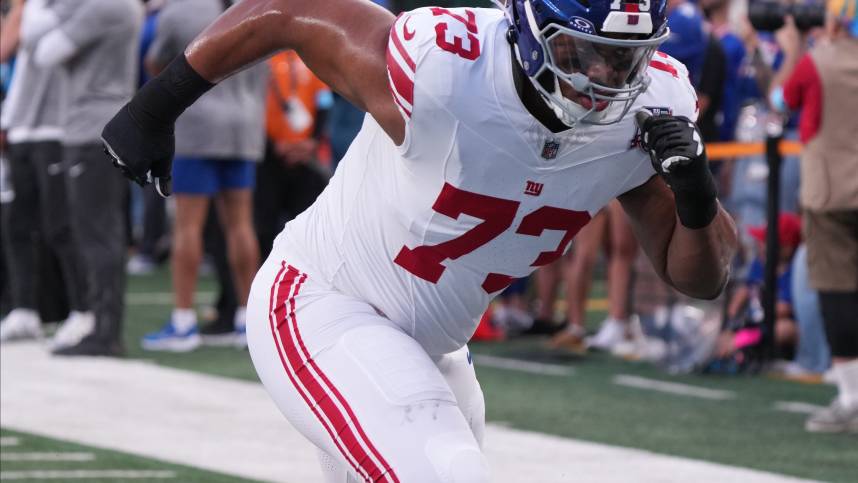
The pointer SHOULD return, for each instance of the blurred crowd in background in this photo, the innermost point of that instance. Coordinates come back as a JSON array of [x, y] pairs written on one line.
[[260, 147]]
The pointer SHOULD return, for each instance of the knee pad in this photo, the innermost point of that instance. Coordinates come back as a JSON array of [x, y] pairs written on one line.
[[456, 459], [335, 472], [457, 369], [474, 409]]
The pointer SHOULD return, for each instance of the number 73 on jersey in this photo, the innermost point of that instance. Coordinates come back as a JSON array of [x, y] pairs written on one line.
[[498, 215]]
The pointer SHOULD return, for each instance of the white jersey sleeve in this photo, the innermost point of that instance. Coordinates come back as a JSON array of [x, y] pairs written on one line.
[[670, 87], [670, 92], [432, 55]]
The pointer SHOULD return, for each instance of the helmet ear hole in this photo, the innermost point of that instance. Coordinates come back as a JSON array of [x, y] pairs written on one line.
[[512, 35]]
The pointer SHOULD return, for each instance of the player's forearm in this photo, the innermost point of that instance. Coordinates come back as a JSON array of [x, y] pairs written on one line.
[[698, 260]]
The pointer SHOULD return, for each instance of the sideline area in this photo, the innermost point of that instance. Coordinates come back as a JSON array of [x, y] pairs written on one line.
[[230, 426]]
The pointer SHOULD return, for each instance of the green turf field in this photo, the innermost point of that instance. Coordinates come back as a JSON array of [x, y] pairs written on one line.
[[745, 429], [23, 457]]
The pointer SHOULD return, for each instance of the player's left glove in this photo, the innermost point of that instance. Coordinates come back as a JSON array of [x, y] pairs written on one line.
[[144, 155], [139, 139], [679, 157]]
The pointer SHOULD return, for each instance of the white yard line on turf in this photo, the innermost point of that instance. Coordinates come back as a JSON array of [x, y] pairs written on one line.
[[672, 387], [8, 441], [797, 407], [86, 474], [165, 298], [231, 426], [523, 366], [58, 456]]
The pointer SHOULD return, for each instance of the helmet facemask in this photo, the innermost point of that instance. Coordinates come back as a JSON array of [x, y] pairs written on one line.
[[590, 78]]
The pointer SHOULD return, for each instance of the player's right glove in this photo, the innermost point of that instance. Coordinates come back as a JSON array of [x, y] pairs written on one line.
[[677, 154], [139, 139]]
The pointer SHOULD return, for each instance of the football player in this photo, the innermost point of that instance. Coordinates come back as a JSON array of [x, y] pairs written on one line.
[[491, 138]]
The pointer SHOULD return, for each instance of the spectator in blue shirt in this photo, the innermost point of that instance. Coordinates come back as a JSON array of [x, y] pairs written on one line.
[[734, 50], [687, 42]]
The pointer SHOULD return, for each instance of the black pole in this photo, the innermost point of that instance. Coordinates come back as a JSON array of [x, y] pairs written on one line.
[[774, 134]]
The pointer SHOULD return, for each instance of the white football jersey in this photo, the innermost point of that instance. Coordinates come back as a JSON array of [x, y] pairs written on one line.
[[478, 194]]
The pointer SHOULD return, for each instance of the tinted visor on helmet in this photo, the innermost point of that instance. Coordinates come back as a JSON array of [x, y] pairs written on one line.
[[608, 67], [596, 77]]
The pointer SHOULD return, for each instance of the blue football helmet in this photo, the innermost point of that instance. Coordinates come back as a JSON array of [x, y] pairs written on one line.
[[587, 58]]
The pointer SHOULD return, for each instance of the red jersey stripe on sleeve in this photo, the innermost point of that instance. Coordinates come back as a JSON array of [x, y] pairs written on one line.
[[401, 83], [400, 69], [664, 66], [404, 109], [394, 35]]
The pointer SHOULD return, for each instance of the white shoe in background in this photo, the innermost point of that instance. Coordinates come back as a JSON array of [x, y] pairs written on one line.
[[633, 347], [21, 324], [836, 418], [73, 330], [611, 333], [828, 377], [140, 265]]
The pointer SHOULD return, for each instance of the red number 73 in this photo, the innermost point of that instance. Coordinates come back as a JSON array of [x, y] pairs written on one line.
[[497, 214]]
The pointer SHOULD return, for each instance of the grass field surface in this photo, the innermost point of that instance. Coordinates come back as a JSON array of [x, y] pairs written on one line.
[[28, 457], [751, 422]]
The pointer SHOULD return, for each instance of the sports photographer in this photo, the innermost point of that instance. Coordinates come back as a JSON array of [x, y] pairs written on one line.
[[822, 83]]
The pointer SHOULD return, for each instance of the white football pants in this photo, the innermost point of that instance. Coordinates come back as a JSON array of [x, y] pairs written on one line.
[[377, 406]]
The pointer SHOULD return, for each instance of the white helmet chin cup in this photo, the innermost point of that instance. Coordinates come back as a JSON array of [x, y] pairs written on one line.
[[570, 112], [580, 82]]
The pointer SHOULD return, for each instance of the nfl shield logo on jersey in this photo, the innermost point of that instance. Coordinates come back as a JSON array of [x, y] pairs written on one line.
[[550, 148]]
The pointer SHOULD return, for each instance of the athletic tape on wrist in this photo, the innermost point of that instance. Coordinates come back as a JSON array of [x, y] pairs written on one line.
[[162, 100], [696, 211]]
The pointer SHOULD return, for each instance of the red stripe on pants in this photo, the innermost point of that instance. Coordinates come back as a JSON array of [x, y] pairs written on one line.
[[311, 380]]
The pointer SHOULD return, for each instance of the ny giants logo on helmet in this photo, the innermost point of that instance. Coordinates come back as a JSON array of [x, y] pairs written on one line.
[[629, 17]]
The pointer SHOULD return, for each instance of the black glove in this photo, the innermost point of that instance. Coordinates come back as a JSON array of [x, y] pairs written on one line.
[[139, 139], [677, 154], [143, 155]]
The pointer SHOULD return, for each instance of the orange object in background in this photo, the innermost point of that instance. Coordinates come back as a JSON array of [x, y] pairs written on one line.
[[486, 331], [718, 151], [292, 86]]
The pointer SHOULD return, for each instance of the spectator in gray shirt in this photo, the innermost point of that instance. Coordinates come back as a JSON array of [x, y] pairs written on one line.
[[96, 43], [219, 140], [39, 209]]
